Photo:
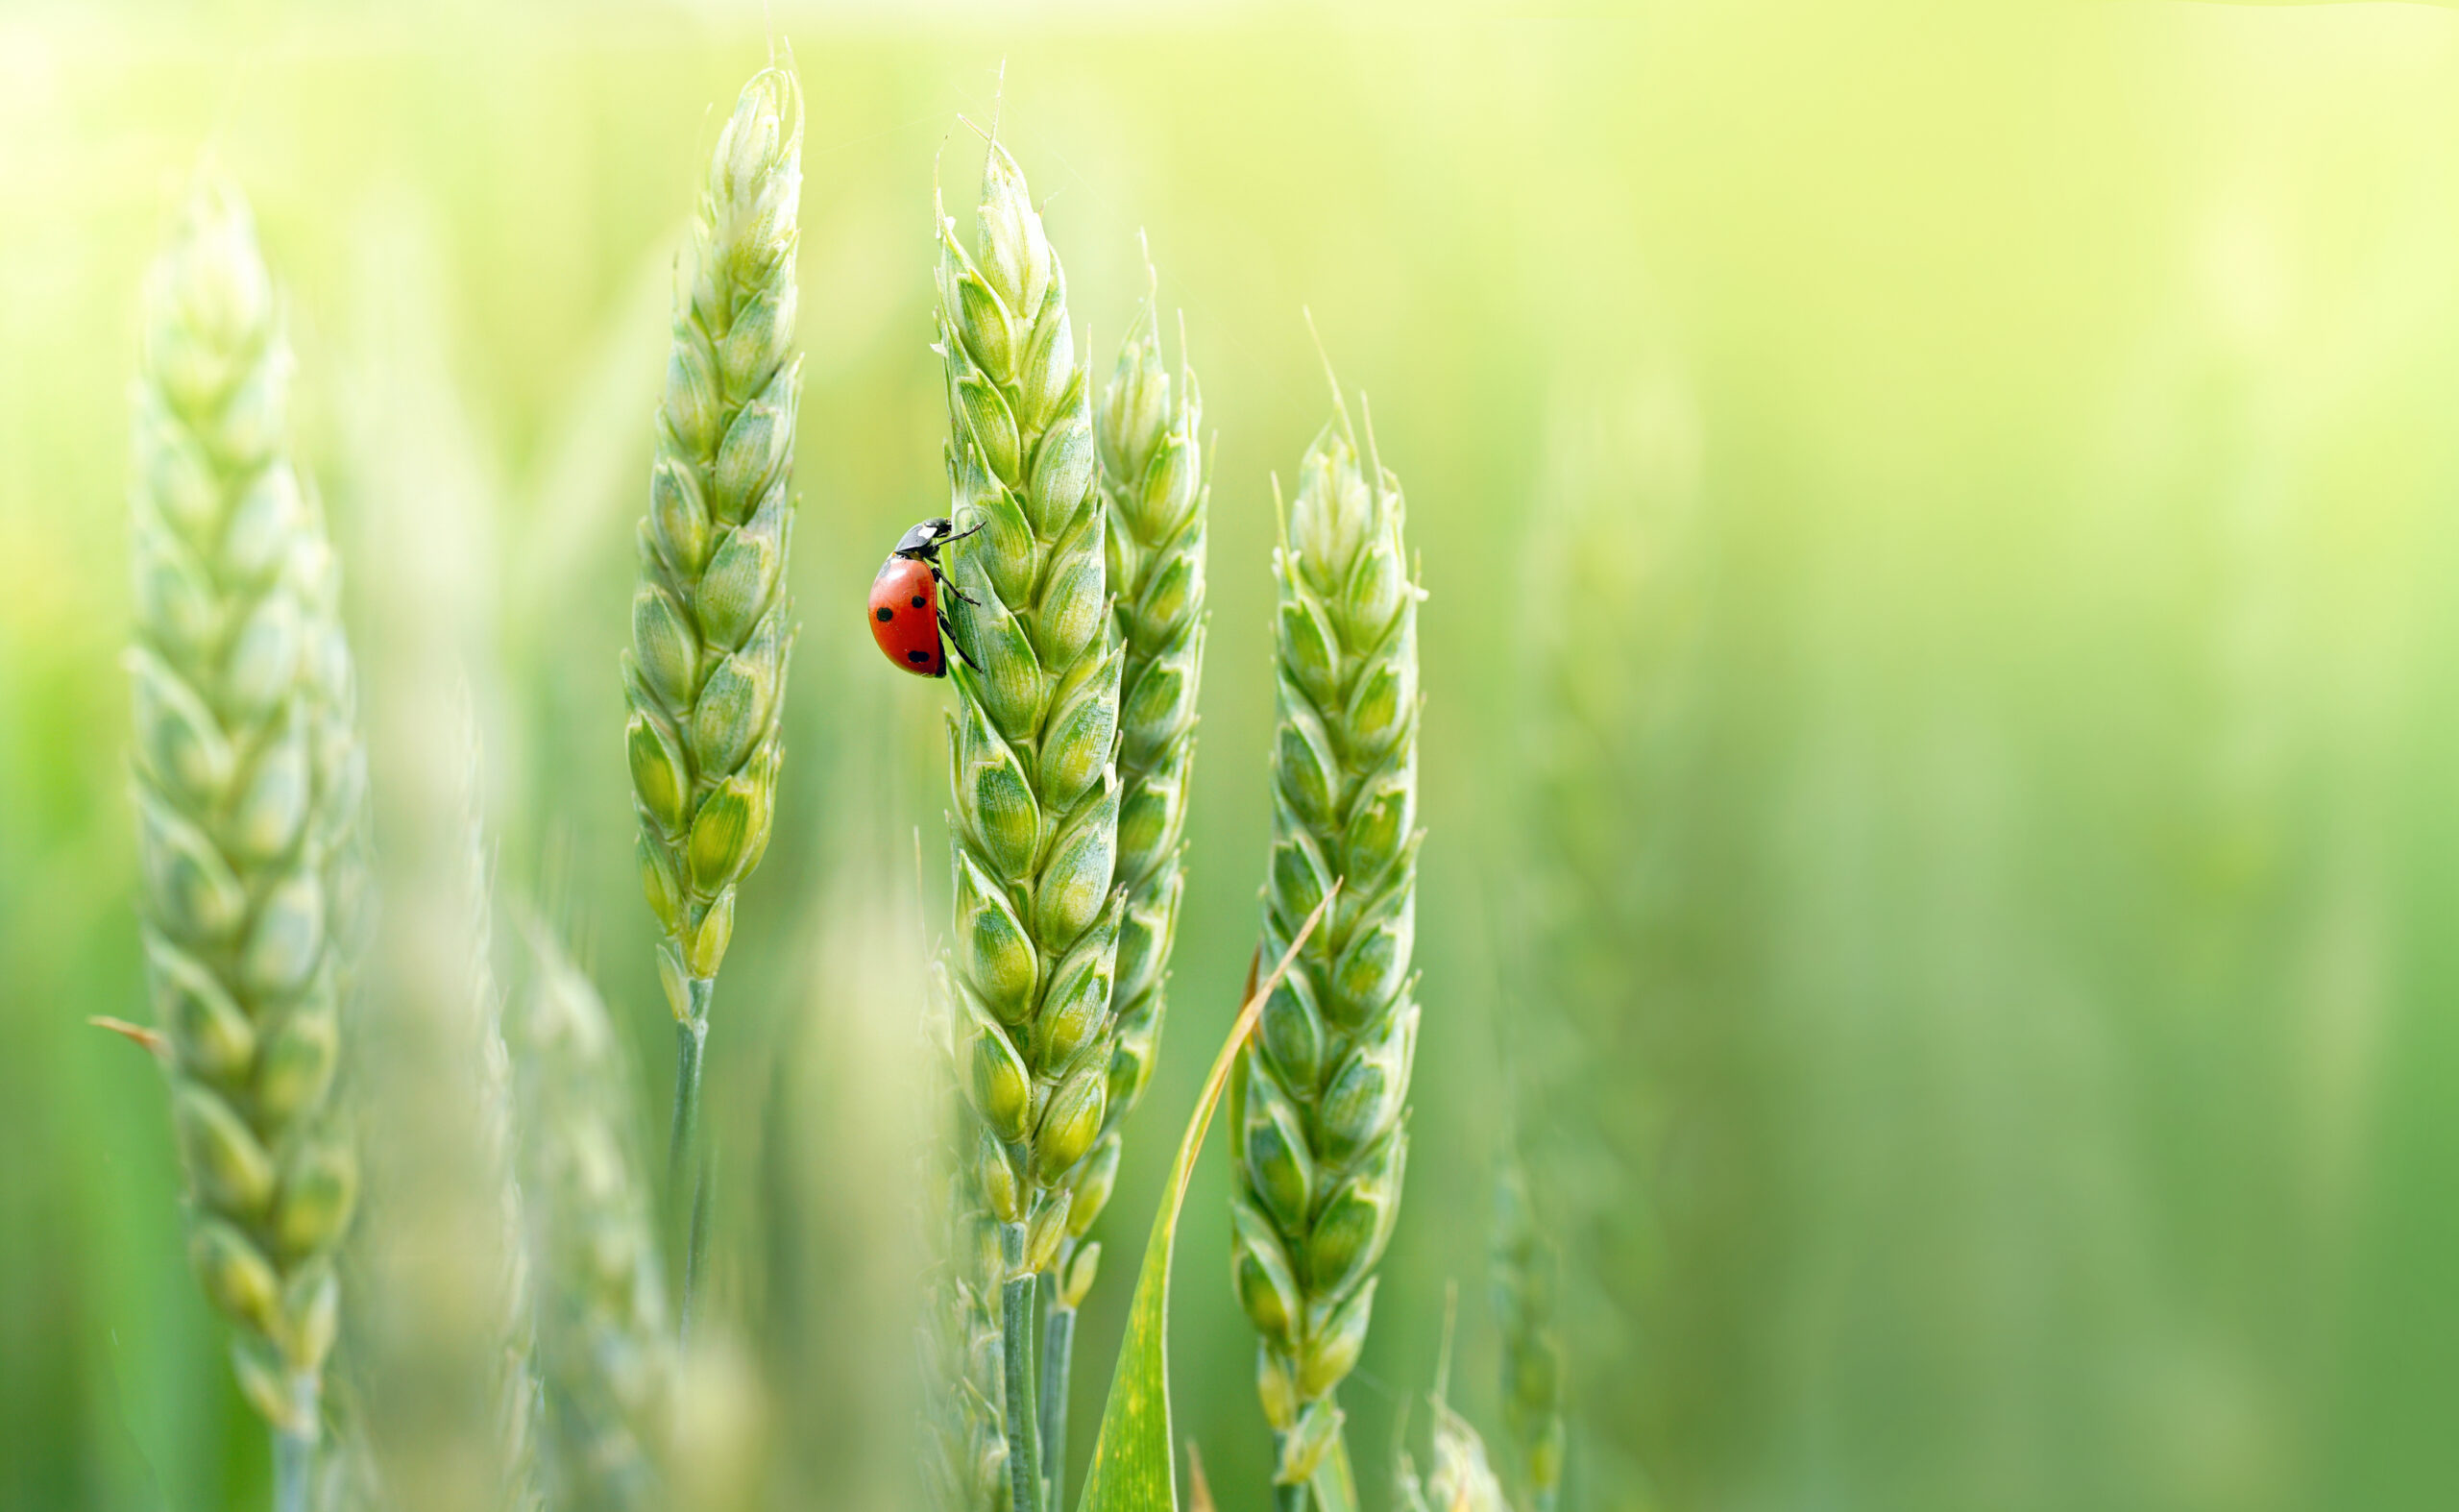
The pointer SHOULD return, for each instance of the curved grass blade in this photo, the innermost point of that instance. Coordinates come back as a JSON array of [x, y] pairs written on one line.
[[1132, 1458]]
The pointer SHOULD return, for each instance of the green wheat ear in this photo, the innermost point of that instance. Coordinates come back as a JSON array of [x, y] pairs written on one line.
[[1317, 1108], [1152, 487], [712, 632], [1154, 483], [1032, 746], [1524, 1272], [602, 1343], [250, 786], [519, 1401]]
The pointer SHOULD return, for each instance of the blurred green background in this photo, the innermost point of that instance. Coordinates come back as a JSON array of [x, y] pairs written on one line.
[[1981, 774]]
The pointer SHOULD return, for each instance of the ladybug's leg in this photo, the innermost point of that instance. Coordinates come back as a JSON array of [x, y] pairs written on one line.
[[948, 638], [949, 584]]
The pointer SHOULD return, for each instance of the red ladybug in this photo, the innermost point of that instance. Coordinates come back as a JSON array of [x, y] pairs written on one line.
[[905, 602]]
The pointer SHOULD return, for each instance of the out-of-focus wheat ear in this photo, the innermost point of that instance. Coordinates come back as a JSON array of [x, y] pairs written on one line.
[[248, 783], [1318, 1109], [1612, 749], [346, 1476], [964, 1465], [1033, 752], [606, 1351], [519, 1399], [712, 621], [1524, 1275]]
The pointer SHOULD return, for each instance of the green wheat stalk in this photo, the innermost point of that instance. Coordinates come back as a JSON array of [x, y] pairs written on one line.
[[250, 787], [1031, 744], [1153, 484], [603, 1348], [1317, 1107], [711, 634]]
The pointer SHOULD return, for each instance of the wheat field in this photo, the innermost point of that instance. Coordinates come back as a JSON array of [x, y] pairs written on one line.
[[1930, 951]]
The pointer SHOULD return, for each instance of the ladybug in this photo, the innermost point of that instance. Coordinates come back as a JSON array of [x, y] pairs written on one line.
[[905, 602]]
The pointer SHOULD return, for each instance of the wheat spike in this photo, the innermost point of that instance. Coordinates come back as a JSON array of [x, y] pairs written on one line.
[[602, 1344], [1153, 489], [1317, 1106], [250, 786], [1524, 1274], [712, 633], [1031, 750], [1613, 742], [519, 1399], [1154, 484]]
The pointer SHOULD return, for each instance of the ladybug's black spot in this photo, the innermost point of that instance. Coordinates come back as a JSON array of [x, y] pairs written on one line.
[[885, 615], [919, 600], [917, 658]]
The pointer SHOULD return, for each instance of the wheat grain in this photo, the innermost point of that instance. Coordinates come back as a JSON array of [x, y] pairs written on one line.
[[602, 1345], [711, 633], [250, 783], [1316, 1112], [1032, 746]]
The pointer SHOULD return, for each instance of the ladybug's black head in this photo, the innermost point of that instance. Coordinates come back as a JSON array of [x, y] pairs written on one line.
[[924, 540]]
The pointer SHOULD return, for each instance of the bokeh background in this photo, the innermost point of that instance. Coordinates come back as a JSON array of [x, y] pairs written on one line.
[[1943, 725]]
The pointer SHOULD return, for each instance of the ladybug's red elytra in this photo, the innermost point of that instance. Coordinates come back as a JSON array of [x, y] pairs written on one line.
[[905, 602]]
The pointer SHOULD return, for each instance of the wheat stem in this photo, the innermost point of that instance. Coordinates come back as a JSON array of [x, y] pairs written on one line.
[[1017, 1340], [710, 629], [294, 1467], [1058, 1346], [1317, 1108], [686, 1165]]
